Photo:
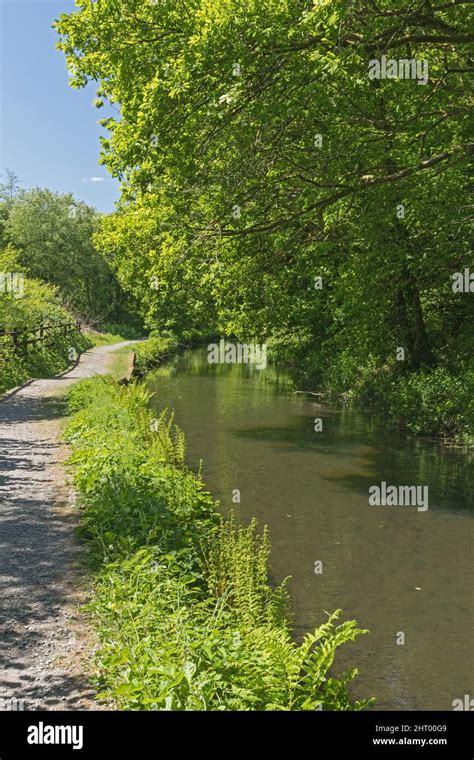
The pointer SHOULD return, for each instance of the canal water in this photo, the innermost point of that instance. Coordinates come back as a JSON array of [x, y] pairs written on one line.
[[403, 573]]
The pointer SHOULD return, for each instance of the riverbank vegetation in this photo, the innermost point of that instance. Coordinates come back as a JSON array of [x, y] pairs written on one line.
[[275, 188], [185, 612], [151, 352]]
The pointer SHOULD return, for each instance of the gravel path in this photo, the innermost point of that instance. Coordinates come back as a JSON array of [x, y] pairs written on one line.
[[45, 643]]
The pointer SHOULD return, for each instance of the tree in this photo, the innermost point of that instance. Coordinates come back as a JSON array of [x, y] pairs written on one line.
[[263, 143], [8, 191], [11, 187], [53, 236]]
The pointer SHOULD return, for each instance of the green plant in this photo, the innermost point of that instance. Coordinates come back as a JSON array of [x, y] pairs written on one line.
[[39, 304], [185, 613], [152, 351]]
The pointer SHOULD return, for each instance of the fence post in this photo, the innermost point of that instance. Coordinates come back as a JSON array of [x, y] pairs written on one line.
[[16, 334]]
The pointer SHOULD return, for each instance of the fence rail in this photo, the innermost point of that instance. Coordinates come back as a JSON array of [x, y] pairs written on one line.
[[20, 340]]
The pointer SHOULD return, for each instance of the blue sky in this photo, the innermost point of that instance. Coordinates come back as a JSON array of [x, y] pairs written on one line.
[[48, 131]]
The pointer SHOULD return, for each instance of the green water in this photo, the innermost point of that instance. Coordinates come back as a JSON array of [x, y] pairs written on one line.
[[395, 569]]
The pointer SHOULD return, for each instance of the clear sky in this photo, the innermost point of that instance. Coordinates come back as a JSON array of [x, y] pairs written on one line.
[[48, 131]]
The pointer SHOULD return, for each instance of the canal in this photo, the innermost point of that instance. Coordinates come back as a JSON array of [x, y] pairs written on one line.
[[404, 573]]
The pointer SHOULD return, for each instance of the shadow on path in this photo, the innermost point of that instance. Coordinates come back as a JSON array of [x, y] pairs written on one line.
[[44, 640]]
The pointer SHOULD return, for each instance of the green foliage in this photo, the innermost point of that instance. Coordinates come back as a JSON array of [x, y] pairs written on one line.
[[53, 236], [38, 304], [431, 403], [196, 138], [151, 352], [10, 187], [186, 616], [237, 562], [113, 332], [125, 331]]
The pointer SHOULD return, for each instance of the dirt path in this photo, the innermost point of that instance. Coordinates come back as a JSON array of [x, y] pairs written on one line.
[[44, 641]]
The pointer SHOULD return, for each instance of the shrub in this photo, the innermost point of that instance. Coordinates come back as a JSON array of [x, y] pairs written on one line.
[[428, 403], [38, 305], [152, 351]]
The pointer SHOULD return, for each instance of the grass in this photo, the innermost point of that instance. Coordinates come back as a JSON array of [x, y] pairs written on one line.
[[111, 334], [103, 339], [38, 304], [119, 362], [185, 613], [148, 352], [151, 352]]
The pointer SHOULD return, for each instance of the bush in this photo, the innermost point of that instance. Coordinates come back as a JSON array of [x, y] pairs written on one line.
[[428, 403], [151, 352], [39, 304]]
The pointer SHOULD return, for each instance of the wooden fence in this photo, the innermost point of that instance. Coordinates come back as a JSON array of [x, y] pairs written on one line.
[[21, 340]]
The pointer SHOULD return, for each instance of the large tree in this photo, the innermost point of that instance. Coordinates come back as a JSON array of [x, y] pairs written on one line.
[[258, 151]]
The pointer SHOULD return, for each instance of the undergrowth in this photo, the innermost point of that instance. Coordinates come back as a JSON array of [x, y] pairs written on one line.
[[151, 352], [37, 304]]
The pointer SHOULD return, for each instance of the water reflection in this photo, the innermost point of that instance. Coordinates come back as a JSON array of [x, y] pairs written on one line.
[[392, 568]]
